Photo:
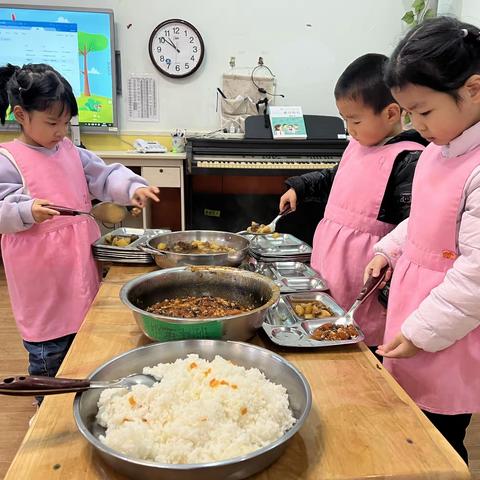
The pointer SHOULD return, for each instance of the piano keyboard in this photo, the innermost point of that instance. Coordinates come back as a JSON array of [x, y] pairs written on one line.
[[316, 163], [266, 165]]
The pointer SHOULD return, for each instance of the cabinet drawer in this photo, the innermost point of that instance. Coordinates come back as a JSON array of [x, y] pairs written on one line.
[[162, 176]]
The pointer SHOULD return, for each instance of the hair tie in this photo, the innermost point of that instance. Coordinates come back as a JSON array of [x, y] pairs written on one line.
[[464, 32]]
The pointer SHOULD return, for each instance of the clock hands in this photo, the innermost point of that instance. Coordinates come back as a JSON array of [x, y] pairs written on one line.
[[171, 44]]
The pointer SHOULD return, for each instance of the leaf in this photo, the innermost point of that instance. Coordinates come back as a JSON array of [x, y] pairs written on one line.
[[418, 6], [409, 17], [430, 13], [89, 42]]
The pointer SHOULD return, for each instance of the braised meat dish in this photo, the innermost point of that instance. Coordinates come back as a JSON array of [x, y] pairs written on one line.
[[259, 228], [312, 309], [330, 331], [198, 307], [196, 246], [120, 240]]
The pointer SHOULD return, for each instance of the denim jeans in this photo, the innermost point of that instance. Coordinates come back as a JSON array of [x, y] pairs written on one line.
[[45, 358]]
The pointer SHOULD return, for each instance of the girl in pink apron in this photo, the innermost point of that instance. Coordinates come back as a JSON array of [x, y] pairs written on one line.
[[432, 339], [369, 192], [51, 274]]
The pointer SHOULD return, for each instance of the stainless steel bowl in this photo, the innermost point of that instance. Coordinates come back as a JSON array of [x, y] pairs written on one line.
[[246, 288], [168, 259], [273, 366]]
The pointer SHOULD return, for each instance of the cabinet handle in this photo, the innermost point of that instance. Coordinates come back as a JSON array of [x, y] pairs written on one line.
[[160, 170]]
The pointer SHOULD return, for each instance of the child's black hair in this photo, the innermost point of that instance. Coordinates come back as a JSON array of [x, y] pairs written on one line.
[[441, 54], [363, 80], [34, 87]]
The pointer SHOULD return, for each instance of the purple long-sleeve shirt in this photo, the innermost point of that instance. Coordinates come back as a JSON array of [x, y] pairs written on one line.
[[114, 183]]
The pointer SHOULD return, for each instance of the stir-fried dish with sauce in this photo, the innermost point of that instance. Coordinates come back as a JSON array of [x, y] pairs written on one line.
[[198, 307]]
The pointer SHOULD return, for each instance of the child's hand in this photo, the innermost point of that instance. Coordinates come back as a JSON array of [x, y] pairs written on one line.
[[399, 347], [288, 198], [135, 211], [142, 194], [41, 212], [374, 268]]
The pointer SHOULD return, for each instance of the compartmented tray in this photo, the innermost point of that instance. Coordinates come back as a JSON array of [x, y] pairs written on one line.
[[286, 328], [142, 234], [105, 252], [292, 276], [278, 247]]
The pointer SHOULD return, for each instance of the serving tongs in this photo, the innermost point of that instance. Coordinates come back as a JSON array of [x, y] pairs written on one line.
[[368, 288]]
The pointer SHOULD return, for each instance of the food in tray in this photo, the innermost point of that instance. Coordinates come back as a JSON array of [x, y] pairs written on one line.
[[330, 331], [312, 309], [198, 307], [259, 228], [196, 246], [199, 411], [120, 240]]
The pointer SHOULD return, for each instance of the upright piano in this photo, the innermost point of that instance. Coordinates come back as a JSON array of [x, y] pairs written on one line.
[[231, 182]]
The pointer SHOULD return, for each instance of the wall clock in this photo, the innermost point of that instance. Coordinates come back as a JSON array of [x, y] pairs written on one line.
[[176, 48]]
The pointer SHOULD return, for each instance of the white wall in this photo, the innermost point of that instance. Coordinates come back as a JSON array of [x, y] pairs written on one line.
[[305, 59], [471, 12]]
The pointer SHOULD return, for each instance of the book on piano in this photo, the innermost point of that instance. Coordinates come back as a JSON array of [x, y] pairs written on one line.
[[287, 123]]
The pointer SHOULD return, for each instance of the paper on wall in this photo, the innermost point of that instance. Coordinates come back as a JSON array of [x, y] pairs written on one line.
[[142, 98]]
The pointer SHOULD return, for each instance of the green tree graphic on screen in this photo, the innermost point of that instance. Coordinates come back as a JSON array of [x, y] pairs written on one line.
[[87, 43]]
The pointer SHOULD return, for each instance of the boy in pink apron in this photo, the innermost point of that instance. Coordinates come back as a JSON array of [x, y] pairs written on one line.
[[51, 274], [367, 194], [432, 339]]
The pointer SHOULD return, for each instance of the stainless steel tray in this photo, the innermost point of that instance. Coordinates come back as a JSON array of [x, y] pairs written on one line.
[[284, 258], [129, 254], [278, 246], [292, 276], [146, 261], [287, 329], [143, 236]]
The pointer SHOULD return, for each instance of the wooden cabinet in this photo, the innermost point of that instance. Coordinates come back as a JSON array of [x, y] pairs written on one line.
[[170, 177], [162, 170]]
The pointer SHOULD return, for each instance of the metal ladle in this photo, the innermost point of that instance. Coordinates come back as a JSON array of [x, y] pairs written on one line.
[[271, 226], [38, 385], [368, 288], [105, 212]]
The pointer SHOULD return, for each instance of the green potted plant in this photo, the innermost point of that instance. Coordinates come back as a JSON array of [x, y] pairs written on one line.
[[419, 11]]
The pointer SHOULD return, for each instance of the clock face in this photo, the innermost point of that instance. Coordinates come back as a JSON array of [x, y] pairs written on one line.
[[176, 48]]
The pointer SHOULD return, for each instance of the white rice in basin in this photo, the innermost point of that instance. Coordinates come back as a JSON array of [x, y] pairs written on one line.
[[199, 412]]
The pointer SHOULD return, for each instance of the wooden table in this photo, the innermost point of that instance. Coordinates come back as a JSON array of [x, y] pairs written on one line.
[[362, 424]]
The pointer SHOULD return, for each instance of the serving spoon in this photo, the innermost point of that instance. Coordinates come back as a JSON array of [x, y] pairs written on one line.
[[272, 225], [39, 385], [368, 288], [107, 212]]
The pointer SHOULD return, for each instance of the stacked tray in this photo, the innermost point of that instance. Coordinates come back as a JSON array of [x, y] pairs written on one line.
[[131, 253], [285, 327], [292, 277], [278, 247]]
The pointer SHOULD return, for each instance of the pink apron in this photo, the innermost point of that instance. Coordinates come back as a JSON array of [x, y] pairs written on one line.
[[447, 381], [344, 239], [51, 275]]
